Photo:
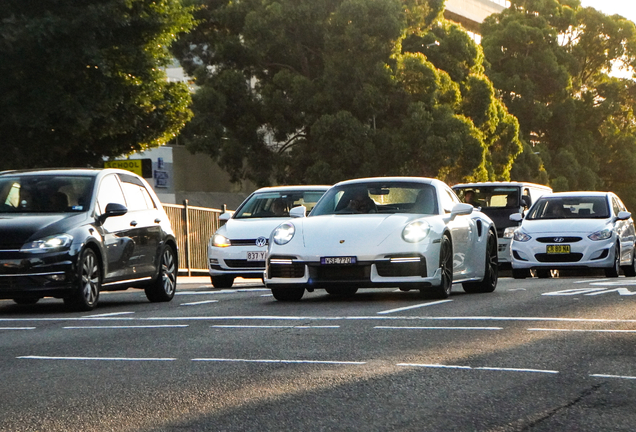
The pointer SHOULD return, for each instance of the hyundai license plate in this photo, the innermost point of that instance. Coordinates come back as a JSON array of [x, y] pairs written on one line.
[[558, 249], [337, 260], [257, 256]]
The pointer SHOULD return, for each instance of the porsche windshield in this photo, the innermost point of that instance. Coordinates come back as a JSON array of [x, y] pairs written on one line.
[[276, 204], [45, 193], [390, 197], [570, 208]]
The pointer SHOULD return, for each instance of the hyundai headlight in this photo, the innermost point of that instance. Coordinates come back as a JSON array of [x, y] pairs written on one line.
[[603, 234], [220, 241], [520, 236], [47, 244], [509, 232], [416, 231], [284, 233]]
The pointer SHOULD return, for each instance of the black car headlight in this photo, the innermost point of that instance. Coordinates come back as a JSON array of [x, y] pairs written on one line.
[[47, 244]]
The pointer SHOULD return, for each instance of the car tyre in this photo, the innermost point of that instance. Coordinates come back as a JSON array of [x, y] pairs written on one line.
[[222, 281], [491, 271], [342, 292], [288, 294], [630, 270], [163, 288], [26, 300], [443, 290], [520, 273], [86, 294], [612, 272], [547, 273]]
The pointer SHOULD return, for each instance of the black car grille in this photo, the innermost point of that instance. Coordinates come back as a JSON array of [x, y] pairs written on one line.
[[245, 264], [393, 269], [558, 258], [295, 270], [342, 273], [246, 242], [561, 239]]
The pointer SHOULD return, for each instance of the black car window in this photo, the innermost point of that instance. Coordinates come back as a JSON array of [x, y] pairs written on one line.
[[45, 193], [109, 192]]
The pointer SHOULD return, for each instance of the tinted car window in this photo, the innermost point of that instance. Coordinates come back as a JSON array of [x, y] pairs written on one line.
[[109, 192], [570, 207], [45, 193], [276, 204]]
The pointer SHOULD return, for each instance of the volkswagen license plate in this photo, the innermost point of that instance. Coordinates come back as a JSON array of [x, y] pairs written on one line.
[[257, 256], [337, 260], [558, 249]]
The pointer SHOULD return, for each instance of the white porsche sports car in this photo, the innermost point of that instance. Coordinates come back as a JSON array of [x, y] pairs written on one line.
[[239, 248], [570, 230], [405, 232]]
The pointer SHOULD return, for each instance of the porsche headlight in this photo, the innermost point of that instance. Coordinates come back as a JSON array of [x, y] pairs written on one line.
[[218, 240], [416, 231], [603, 234], [284, 233], [520, 236], [48, 244]]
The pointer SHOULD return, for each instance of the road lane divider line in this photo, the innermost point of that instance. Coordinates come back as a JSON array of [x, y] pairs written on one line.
[[204, 292], [441, 366], [97, 358], [277, 361], [108, 314], [199, 303], [613, 376], [413, 307], [583, 330], [129, 327], [272, 326], [436, 328], [17, 328]]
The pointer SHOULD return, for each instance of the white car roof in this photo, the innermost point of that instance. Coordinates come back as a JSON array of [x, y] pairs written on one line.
[[576, 194], [423, 180], [293, 188], [495, 184]]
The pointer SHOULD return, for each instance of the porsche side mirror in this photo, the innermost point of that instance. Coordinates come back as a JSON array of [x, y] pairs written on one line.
[[516, 217], [298, 212], [461, 209]]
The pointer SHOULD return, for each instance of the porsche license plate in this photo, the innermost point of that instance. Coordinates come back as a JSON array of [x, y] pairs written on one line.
[[337, 260], [257, 256], [558, 249]]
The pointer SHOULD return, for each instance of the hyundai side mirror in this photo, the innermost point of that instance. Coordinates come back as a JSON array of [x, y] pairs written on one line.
[[224, 217], [623, 215], [516, 217]]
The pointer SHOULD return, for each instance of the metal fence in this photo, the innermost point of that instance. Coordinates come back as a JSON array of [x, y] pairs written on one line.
[[193, 227]]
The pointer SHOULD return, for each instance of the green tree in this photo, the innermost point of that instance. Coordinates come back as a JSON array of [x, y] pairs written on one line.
[[551, 63], [84, 80], [317, 91]]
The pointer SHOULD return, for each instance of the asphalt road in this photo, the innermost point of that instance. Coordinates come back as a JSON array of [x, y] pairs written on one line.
[[535, 355]]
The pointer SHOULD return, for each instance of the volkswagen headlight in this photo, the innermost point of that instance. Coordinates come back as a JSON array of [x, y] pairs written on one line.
[[603, 234], [48, 244], [220, 241], [284, 233], [520, 236], [416, 231]]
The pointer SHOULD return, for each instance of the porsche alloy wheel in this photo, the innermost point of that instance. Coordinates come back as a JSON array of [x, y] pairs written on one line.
[[491, 271], [86, 294], [446, 266], [164, 287]]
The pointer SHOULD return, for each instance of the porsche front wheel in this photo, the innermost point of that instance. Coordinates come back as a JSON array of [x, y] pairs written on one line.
[[288, 294], [443, 290]]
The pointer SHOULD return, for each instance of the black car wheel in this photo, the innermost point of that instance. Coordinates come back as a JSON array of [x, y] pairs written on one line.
[[222, 281], [26, 300], [446, 265], [491, 272], [86, 294], [164, 287], [630, 270], [288, 294], [612, 272], [521, 273]]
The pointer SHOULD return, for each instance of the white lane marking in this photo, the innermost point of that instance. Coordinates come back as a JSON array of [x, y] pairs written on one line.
[[204, 292], [621, 291], [277, 361], [199, 303], [413, 307], [477, 368], [272, 327], [129, 327], [108, 314], [615, 282], [582, 330], [588, 281], [437, 328], [97, 358], [267, 295], [517, 289], [573, 291], [613, 376], [17, 328]]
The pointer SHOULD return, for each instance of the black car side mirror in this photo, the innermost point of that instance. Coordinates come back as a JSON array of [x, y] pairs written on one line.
[[114, 209]]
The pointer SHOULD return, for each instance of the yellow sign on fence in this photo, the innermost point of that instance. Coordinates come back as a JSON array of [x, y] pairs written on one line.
[[142, 167]]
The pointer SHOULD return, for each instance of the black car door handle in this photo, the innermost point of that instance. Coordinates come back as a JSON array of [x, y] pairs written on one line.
[[133, 223]]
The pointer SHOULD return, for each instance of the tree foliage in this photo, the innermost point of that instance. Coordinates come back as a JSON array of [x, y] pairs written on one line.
[[551, 62], [317, 91], [82, 79]]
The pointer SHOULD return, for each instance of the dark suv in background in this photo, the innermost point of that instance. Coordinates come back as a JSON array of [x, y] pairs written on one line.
[[71, 233]]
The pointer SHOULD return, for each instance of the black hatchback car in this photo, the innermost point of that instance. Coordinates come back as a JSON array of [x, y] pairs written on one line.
[[71, 233]]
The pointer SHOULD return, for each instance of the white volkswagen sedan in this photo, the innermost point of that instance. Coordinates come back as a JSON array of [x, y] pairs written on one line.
[[574, 230], [405, 232], [239, 247]]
